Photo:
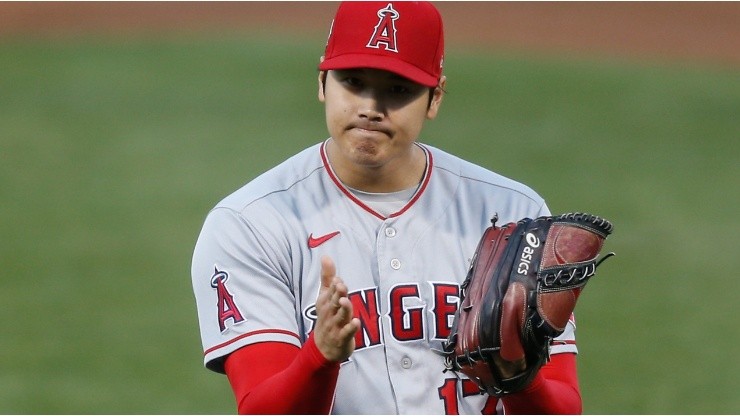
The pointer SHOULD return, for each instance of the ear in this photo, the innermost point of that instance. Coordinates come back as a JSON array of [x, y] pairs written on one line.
[[322, 80], [439, 92]]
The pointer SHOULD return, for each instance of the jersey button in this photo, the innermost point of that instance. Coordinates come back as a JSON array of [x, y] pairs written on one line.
[[395, 264], [406, 362], [390, 232]]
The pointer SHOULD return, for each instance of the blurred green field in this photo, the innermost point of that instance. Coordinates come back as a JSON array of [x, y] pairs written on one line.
[[112, 152]]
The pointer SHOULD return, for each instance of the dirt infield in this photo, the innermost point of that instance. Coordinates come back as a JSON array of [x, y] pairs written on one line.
[[703, 32]]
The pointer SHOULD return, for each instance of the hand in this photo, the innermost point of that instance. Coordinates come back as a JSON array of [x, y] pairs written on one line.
[[335, 329]]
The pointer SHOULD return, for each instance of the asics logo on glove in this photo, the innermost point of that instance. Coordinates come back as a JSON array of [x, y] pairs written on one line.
[[526, 258]]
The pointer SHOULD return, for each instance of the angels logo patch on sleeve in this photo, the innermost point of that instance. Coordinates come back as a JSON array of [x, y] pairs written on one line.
[[227, 308]]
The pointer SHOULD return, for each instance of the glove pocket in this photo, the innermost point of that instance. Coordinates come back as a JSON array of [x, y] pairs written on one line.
[[555, 308]]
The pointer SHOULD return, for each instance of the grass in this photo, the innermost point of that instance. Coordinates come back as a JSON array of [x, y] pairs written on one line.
[[112, 151]]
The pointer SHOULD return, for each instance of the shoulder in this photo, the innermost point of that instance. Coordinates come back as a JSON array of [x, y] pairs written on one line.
[[277, 181], [478, 178]]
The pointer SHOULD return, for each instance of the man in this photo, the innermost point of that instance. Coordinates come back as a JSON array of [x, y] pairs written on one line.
[[328, 283]]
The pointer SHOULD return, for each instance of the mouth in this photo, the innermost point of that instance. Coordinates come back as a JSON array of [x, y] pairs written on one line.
[[370, 129]]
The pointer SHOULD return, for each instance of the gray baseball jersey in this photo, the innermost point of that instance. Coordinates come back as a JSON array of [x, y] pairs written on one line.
[[256, 273]]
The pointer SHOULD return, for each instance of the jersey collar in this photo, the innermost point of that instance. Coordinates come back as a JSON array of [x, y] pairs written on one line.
[[342, 188]]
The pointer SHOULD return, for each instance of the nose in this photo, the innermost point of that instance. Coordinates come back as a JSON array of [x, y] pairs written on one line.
[[371, 107], [371, 115]]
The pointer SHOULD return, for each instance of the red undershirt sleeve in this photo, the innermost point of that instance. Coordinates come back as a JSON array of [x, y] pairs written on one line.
[[554, 390], [279, 378]]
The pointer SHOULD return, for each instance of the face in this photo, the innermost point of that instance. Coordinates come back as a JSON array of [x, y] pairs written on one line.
[[374, 117]]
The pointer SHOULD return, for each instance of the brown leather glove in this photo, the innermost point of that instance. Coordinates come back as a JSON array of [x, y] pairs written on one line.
[[519, 293]]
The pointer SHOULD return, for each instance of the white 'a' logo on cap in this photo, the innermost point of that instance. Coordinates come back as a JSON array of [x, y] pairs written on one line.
[[385, 30]]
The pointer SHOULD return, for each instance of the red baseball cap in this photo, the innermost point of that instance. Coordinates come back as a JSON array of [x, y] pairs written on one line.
[[404, 37]]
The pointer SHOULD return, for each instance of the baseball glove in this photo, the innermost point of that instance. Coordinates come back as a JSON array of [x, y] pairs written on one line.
[[519, 294]]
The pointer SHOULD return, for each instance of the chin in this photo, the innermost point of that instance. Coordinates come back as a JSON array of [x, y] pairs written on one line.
[[365, 160], [363, 150]]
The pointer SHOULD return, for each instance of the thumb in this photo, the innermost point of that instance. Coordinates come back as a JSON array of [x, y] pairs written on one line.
[[328, 271]]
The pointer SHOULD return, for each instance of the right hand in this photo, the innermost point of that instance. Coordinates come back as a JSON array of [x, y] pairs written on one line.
[[335, 328]]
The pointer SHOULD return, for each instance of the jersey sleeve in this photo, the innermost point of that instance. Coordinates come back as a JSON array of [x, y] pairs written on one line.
[[544, 210], [241, 285], [566, 342]]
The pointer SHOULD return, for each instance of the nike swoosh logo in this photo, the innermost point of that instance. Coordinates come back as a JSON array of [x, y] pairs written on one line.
[[314, 242]]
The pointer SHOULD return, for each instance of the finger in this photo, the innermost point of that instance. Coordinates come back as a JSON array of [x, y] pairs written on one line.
[[343, 309], [338, 290], [335, 301], [350, 329], [328, 271], [339, 287]]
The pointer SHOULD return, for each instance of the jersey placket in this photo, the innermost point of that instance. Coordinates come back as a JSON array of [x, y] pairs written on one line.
[[403, 310]]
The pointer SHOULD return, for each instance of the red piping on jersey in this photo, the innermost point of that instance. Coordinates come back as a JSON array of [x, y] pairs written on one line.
[[249, 334], [424, 183], [348, 193]]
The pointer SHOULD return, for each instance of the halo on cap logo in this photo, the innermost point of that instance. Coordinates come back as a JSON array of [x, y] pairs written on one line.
[[385, 30]]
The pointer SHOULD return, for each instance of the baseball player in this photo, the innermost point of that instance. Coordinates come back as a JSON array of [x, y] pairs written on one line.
[[328, 283]]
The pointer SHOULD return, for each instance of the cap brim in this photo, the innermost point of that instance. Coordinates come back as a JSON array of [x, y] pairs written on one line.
[[386, 63]]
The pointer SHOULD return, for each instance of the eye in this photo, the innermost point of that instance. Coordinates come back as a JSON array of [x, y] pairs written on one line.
[[352, 82], [400, 90]]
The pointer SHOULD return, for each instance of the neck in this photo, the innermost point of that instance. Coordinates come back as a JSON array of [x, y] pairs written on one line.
[[397, 175]]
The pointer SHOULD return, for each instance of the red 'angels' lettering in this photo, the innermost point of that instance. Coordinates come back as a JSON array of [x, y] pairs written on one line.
[[226, 306], [365, 305], [406, 322], [406, 312], [446, 298], [385, 30]]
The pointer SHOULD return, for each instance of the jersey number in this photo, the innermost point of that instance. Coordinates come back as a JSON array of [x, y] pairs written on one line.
[[448, 395]]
